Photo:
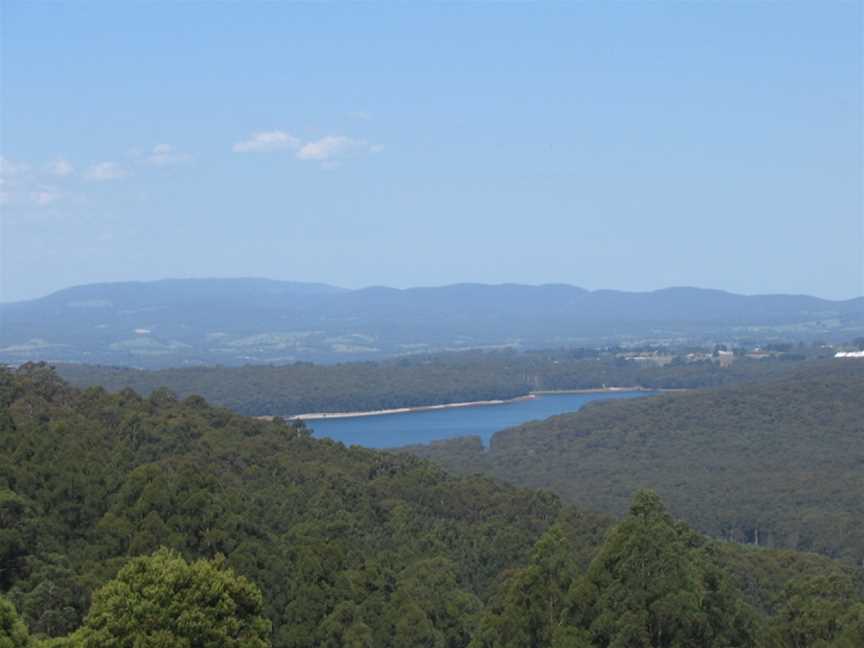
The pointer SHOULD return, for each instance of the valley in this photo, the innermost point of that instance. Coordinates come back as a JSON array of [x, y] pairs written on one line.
[[331, 543]]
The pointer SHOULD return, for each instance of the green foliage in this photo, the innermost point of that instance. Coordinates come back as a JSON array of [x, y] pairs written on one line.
[[654, 583], [303, 387], [528, 610], [162, 601], [776, 464], [13, 632], [819, 612], [90, 480], [651, 585], [350, 547]]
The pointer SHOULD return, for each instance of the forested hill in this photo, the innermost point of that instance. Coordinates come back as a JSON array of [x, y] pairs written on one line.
[[783, 459], [173, 323], [88, 479], [301, 388], [350, 547]]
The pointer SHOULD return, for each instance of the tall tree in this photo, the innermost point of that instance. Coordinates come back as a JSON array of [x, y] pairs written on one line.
[[528, 611], [819, 612], [13, 632], [162, 601], [652, 585]]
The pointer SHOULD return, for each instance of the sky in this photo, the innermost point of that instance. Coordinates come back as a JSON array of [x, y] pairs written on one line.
[[627, 145]]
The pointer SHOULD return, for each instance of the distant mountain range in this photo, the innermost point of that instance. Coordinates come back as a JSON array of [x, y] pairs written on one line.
[[179, 322]]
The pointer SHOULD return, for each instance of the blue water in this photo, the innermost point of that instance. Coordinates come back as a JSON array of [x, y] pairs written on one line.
[[393, 430]]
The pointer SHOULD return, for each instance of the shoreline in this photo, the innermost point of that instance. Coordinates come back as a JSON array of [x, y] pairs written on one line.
[[608, 390], [318, 416]]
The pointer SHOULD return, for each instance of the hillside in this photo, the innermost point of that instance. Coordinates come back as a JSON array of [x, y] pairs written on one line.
[[239, 321], [286, 390], [780, 463], [343, 542], [87, 478]]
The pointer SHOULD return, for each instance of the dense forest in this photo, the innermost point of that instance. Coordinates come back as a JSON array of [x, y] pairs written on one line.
[[132, 521], [300, 388], [779, 463]]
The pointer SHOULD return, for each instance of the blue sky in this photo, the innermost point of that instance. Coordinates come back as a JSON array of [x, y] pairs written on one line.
[[631, 145]]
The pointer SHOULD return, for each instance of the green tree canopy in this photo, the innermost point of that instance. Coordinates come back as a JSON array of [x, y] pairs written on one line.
[[162, 601], [652, 585], [13, 632], [819, 612], [352, 548], [527, 613]]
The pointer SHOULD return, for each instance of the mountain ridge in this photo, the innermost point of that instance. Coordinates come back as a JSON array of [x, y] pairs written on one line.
[[322, 287], [178, 322]]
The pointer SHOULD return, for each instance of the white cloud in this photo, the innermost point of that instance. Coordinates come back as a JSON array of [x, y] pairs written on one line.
[[332, 147], [104, 171], [60, 167], [22, 185], [267, 141], [10, 169], [166, 155], [328, 150], [15, 178]]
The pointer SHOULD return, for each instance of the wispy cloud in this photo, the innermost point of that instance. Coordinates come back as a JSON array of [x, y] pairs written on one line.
[[104, 171], [10, 169], [16, 182], [166, 155], [19, 186], [267, 141], [60, 167], [332, 148], [327, 148]]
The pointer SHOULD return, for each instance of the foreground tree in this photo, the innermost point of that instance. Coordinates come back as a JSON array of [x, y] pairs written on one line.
[[162, 601], [819, 612], [527, 613], [13, 632], [653, 585]]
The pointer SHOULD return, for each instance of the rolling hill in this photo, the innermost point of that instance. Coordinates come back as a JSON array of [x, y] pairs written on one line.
[[241, 321], [777, 463], [349, 546]]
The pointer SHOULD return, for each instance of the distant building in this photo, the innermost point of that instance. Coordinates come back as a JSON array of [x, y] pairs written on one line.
[[725, 358], [648, 358], [759, 354], [849, 354]]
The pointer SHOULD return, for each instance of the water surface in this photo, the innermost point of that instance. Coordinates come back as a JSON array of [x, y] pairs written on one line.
[[393, 430]]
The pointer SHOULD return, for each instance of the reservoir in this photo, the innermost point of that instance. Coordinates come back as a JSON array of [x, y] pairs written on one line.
[[393, 430]]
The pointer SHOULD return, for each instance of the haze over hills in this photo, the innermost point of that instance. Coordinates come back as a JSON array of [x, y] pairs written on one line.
[[238, 321]]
